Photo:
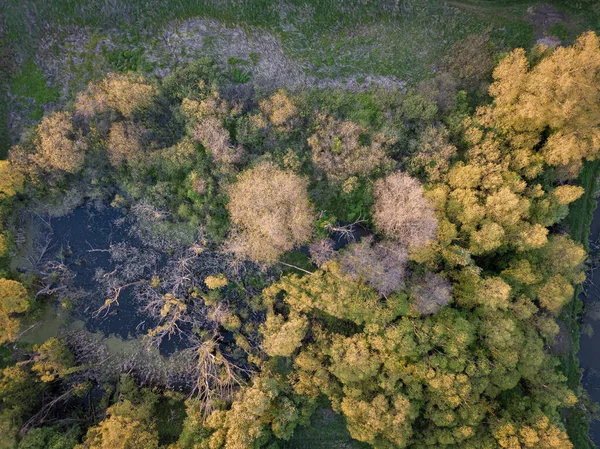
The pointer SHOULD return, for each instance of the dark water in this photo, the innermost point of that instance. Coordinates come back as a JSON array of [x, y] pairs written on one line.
[[78, 237], [589, 352]]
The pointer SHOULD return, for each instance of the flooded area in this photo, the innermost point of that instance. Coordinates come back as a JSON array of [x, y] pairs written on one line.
[[81, 251]]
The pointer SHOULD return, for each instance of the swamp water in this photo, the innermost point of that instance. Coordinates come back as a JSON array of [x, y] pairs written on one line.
[[81, 241], [589, 349]]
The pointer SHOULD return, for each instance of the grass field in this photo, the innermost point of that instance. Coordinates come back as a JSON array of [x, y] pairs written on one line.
[[67, 43], [327, 431]]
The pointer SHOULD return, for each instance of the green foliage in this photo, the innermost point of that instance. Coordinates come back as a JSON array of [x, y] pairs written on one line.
[[559, 30], [240, 76], [127, 60], [48, 438], [192, 81], [31, 83]]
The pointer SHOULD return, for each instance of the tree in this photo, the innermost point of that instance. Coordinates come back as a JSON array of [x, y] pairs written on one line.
[[48, 438], [53, 360], [58, 144], [343, 149], [282, 337], [272, 211], [215, 138], [268, 408], [333, 292], [126, 426], [382, 265], [401, 211], [559, 94], [124, 143], [379, 422], [127, 94], [321, 251], [430, 293], [279, 109], [11, 180], [434, 153], [13, 300], [537, 432]]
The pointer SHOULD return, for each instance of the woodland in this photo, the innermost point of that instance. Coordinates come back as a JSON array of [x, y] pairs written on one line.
[[399, 257]]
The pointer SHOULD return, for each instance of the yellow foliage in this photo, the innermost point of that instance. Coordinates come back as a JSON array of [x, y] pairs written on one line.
[[506, 208], [279, 109], [489, 237], [58, 143], [124, 143], [127, 94], [11, 180], [13, 300], [214, 282], [555, 293], [560, 93], [567, 194], [463, 176], [494, 293]]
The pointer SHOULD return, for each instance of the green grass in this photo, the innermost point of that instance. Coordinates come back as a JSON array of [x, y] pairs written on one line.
[[327, 431], [30, 83]]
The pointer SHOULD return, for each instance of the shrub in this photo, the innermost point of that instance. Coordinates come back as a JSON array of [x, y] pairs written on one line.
[[470, 60]]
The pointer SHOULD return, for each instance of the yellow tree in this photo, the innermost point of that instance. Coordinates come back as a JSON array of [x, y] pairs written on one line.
[[58, 144], [126, 426], [272, 212], [560, 93], [13, 300]]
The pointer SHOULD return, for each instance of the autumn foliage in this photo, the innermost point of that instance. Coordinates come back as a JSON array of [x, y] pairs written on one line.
[[272, 211]]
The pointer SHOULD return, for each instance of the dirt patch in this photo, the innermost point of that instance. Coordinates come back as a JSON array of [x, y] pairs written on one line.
[[252, 50], [544, 17]]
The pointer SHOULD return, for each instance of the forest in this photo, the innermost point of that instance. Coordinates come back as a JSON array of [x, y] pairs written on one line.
[[399, 259]]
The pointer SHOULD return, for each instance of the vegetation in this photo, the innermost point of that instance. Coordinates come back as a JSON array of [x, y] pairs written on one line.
[[424, 317]]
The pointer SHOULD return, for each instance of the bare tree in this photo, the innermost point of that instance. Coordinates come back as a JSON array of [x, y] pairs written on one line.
[[430, 293], [401, 211], [272, 212], [382, 265], [321, 251]]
